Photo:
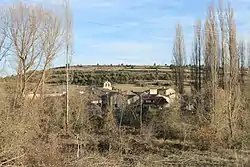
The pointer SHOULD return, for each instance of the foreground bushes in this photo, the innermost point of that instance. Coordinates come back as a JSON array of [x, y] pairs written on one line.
[[34, 135]]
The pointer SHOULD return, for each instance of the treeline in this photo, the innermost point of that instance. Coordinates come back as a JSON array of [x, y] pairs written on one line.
[[126, 66], [98, 78]]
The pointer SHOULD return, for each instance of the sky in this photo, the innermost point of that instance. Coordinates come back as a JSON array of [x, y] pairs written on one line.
[[136, 31]]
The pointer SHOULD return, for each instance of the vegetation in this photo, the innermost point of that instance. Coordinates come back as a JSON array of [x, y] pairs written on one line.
[[179, 59], [120, 77], [41, 131]]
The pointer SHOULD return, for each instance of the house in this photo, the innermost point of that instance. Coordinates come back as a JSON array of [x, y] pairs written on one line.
[[115, 99], [161, 91], [105, 96], [158, 98], [154, 101], [148, 99], [171, 94], [153, 91], [162, 101], [131, 97]]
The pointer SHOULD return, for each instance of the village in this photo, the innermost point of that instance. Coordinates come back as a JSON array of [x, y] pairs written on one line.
[[101, 98], [120, 83], [152, 98]]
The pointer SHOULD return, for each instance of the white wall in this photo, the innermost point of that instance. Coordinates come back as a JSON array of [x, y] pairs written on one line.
[[153, 91]]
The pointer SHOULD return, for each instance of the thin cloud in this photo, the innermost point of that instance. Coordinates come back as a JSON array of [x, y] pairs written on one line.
[[115, 30]]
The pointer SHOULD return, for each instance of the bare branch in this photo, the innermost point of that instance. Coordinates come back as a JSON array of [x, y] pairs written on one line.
[[36, 36], [53, 34], [179, 58], [211, 58], [197, 55]]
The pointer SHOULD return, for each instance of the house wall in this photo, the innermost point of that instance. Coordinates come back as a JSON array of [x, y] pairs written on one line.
[[133, 99], [118, 100], [153, 91]]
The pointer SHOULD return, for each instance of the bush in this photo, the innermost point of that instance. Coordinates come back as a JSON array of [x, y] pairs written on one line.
[[167, 123], [99, 77], [205, 137]]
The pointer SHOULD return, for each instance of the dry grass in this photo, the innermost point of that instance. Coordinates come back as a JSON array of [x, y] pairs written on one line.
[[133, 87], [33, 132], [33, 135]]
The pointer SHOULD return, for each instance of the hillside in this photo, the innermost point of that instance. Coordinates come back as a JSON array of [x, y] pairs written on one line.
[[130, 74]]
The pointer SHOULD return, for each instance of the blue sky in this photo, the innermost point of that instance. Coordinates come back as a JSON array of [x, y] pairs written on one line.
[[136, 31]]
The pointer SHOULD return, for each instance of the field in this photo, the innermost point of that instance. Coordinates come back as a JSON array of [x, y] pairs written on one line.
[[133, 87]]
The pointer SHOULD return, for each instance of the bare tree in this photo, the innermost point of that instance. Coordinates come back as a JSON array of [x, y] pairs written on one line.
[[69, 51], [53, 33], [179, 58], [35, 34], [241, 62], [3, 50], [197, 56], [223, 49], [22, 27], [4, 45], [222, 46], [211, 59], [248, 55], [233, 91]]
